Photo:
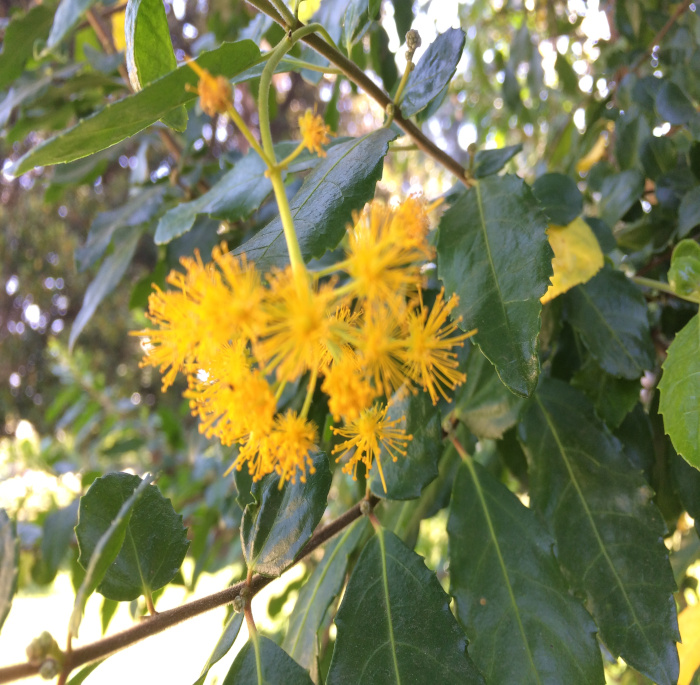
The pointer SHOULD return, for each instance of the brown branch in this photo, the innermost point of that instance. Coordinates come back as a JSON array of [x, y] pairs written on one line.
[[166, 619], [360, 79]]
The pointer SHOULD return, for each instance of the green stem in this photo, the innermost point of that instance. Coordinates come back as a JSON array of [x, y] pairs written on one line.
[[661, 286], [295, 257], [309, 393], [292, 156], [247, 134], [284, 12]]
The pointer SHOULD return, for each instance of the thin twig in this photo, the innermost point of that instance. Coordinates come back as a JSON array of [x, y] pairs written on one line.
[[161, 621]]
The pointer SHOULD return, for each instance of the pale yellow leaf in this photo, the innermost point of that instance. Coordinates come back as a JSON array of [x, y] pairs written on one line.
[[689, 649], [577, 257], [307, 9], [118, 35], [595, 154]]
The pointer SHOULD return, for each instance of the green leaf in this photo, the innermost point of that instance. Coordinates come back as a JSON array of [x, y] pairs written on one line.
[[394, 623], [238, 193], [222, 647], [83, 673], [609, 533], [128, 116], [277, 525], [673, 105], [433, 72], [68, 14], [149, 50], [407, 476], [689, 212], [154, 543], [9, 564], [488, 162], [57, 536], [358, 17], [618, 193], [276, 666], [610, 314], [559, 198], [613, 397], [135, 211], [107, 278], [523, 624], [658, 156], [403, 16], [483, 403], [19, 39], [341, 183], [105, 547], [680, 389], [684, 273], [635, 434], [493, 252], [107, 610], [317, 593], [567, 76]]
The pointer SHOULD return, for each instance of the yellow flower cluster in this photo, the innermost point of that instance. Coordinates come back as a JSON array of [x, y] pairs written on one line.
[[360, 330], [314, 132]]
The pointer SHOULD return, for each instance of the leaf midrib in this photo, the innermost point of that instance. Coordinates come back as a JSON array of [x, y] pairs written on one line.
[[385, 588]]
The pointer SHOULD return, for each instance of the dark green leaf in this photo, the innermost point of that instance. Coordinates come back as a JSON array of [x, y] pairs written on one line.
[[83, 673], [238, 193], [523, 624], [632, 132], [394, 623], [341, 183], [689, 212], [403, 16], [680, 389], [567, 76], [68, 14], [276, 665], [493, 252], [18, 42], [488, 162], [658, 156], [277, 525], [433, 71], [407, 476], [602, 233], [107, 610], [132, 114], [559, 198], [613, 397], [483, 403], [222, 647], [105, 547], [608, 532], [9, 564], [317, 593], [357, 20], [618, 193], [637, 439], [135, 211], [244, 486], [58, 534], [673, 105], [107, 278], [155, 541], [149, 50], [684, 273], [610, 314], [511, 90]]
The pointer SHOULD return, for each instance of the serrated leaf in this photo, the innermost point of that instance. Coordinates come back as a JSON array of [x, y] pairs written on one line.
[[128, 116], [394, 623], [277, 525], [684, 273], [317, 593], [238, 193], [689, 212], [341, 183], [18, 41], [154, 542], [406, 477], [276, 666], [433, 72], [608, 531], [68, 14], [618, 193], [107, 278], [483, 403], [523, 624], [673, 105], [680, 389], [104, 549], [488, 162], [493, 252], [149, 50], [610, 314], [222, 647], [559, 198], [135, 211], [9, 564]]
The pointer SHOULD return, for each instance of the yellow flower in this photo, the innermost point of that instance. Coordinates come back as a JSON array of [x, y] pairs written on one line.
[[293, 440], [410, 224], [429, 345], [314, 132], [214, 91], [349, 391], [368, 435], [383, 267]]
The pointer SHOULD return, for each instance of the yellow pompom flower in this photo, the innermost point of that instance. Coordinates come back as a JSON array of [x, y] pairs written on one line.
[[349, 391], [410, 224], [429, 343], [314, 132], [214, 91], [368, 435], [292, 441]]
